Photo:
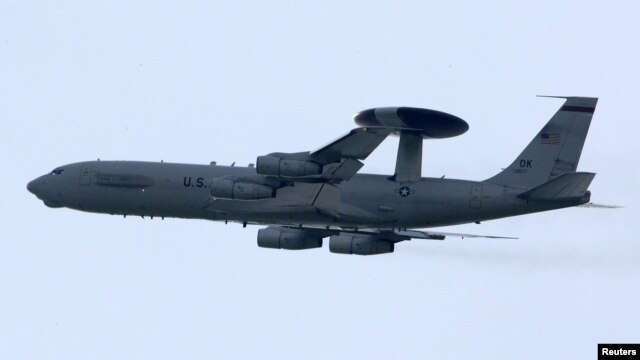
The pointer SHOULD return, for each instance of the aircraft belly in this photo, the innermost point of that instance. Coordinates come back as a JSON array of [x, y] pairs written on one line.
[[262, 211], [151, 201]]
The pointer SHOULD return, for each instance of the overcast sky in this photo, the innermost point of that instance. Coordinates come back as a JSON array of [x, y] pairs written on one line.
[[228, 81]]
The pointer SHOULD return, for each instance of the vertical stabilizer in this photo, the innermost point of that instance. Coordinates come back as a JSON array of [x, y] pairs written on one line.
[[555, 149]]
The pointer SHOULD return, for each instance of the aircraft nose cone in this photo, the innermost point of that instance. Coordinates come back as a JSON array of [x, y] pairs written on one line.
[[31, 186], [34, 186]]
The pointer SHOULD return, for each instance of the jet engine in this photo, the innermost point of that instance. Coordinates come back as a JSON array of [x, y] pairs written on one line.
[[357, 244], [224, 188], [290, 239], [277, 166]]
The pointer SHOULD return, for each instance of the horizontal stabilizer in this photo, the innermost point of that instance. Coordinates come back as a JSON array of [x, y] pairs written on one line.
[[567, 186]]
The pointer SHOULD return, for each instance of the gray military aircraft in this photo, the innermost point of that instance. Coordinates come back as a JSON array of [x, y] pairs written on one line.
[[307, 196]]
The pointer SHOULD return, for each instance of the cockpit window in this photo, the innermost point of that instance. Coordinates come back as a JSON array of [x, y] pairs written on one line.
[[57, 171]]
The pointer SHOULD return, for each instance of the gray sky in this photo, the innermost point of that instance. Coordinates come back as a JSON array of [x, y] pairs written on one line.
[[229, 81]]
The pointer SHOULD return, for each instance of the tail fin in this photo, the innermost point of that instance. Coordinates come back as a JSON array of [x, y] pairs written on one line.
[[555, 149]]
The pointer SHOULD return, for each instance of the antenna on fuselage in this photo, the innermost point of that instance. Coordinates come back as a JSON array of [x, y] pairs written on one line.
[[409, 159], [413, 125]]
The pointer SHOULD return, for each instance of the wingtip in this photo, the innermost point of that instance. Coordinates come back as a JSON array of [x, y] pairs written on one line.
[[600, 206], [579, 98], [553, 96]]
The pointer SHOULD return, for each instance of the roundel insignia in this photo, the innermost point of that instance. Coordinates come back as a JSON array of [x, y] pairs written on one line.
[[405, 191]]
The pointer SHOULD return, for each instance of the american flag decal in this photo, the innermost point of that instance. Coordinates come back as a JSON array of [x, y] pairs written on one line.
[[550, 138]]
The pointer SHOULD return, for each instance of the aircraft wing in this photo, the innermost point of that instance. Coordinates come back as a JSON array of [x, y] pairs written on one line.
[[335, 162], [358, 144], [399, 235], [434, 235]]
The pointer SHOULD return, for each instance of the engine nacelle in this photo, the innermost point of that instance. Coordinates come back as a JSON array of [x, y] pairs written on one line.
[[346, 243], [290, 239], [277, 166], [236, 190]]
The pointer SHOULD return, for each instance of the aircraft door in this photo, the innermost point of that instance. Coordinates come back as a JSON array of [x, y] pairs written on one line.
[[85, 174], [475, 197]]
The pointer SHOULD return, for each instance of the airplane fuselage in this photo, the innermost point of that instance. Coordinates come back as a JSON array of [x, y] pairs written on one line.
[[304, 197], [183, 191]]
